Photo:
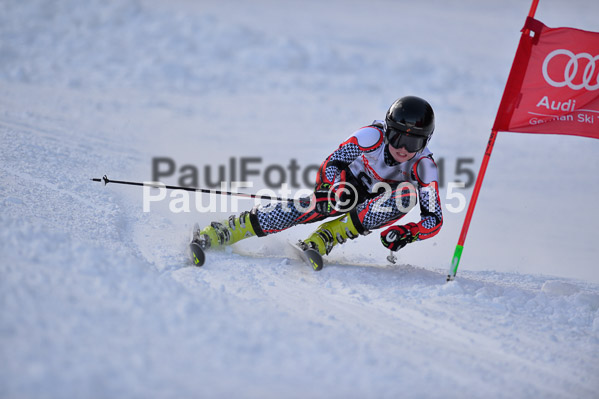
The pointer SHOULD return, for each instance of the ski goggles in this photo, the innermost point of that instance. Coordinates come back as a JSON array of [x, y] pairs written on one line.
[[411, 142]]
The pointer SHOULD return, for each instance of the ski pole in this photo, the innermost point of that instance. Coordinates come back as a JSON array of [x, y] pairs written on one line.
[[106, 180]]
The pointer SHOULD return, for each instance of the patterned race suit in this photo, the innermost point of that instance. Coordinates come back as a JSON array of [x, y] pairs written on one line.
[[385, 190]]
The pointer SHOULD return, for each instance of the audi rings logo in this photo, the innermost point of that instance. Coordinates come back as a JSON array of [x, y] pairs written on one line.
[[590, 74]]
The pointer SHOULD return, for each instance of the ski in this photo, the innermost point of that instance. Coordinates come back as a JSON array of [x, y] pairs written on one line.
[[197, 253], [310, 256], [198, 256]]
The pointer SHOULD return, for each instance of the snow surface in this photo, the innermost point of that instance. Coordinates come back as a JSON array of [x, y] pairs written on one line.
[[98, 298]]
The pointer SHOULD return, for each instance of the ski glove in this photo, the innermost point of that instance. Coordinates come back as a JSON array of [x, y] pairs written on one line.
[[396, 237], [324, 199]]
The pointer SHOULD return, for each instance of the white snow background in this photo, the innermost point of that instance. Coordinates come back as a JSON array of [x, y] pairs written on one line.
[[99, 300]]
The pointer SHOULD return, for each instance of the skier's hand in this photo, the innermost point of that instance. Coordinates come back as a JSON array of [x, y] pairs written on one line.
[[324, 199], [397, 237]]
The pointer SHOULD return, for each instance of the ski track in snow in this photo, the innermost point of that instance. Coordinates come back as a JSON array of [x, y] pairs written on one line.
[[99, 299]]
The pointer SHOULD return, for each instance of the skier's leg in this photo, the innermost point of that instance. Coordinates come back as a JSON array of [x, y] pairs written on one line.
[[337, 231], [275, 217], [374, 213], [386, 208], [260, 221]]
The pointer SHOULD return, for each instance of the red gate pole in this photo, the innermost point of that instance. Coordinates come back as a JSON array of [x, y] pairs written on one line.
[[457, 255], [479, 181]]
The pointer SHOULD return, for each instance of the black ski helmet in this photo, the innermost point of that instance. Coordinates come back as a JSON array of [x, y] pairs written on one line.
[[410, 121]]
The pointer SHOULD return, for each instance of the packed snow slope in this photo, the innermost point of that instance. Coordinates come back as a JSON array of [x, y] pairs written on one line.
[[98, 298]]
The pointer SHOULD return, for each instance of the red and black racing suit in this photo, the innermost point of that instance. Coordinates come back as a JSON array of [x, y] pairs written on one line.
[[385, 190]]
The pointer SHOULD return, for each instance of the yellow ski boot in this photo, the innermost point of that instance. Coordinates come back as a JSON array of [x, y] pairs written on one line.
[[228, 232], [328, 234]]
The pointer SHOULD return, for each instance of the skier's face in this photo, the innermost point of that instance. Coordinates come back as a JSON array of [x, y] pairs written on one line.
[[401, 154]]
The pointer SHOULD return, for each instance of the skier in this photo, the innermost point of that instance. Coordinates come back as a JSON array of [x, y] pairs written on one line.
[[371, 181]]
